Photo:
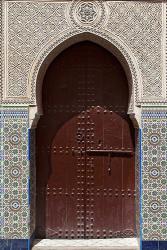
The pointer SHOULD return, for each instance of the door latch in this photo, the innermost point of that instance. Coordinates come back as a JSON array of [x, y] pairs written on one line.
[[109, 163]]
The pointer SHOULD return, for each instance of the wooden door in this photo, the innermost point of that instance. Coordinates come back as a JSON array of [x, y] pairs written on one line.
[[85, 148]]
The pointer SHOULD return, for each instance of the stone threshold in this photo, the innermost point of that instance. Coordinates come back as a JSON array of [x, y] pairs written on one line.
[[91, 244]]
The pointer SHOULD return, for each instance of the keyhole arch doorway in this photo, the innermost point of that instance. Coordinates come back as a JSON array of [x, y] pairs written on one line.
[[85, 148]]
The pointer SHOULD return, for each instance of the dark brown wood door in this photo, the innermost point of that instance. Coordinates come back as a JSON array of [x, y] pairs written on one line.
[[85, 148]]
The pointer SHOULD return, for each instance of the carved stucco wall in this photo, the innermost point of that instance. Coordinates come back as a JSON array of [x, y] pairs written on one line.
[[30, 26], [140, 26]]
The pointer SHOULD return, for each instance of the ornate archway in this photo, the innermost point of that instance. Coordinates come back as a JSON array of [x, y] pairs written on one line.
[[106, 40]]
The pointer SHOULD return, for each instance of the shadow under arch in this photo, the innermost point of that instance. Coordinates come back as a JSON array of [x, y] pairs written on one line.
[[106, 40]]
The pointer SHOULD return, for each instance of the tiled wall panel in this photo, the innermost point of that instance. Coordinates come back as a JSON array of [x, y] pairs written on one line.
[[154, 175], [137, 180], [14, 206]]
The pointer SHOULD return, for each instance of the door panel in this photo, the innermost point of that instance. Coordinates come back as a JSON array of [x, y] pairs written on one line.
[[85, 146]]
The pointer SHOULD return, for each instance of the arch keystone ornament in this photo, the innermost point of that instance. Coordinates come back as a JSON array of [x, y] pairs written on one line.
[[87, 13]]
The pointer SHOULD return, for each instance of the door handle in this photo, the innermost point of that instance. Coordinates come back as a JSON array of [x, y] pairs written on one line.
[[109, 164]]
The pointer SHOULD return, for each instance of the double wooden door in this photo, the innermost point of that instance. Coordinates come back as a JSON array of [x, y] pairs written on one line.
[[85, 148]]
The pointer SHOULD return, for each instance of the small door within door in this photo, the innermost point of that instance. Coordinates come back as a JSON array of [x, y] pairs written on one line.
[[85, 148]]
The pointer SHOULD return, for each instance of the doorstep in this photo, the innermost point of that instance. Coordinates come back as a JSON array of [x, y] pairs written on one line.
[[91, 244]]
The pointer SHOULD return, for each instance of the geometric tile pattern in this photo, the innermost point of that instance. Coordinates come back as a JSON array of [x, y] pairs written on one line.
[[154, 175], [137, 180], [14, 173], [33, 180]]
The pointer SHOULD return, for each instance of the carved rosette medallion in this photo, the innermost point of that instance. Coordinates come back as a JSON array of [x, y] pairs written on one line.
[[87, 13]]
